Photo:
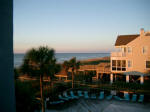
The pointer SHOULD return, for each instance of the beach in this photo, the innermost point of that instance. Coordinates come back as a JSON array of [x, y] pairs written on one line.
[[83, 105]]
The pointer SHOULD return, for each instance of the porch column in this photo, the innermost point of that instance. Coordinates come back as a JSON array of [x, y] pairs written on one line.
[[111, 78], [142, 79], [127, 78]]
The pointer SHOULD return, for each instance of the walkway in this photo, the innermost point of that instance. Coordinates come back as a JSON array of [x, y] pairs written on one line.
[[104, 106]]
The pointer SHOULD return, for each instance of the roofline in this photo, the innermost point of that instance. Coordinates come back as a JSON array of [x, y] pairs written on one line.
[[126, 35]]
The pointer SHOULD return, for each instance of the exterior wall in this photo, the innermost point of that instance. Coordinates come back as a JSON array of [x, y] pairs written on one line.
[[136, 56]]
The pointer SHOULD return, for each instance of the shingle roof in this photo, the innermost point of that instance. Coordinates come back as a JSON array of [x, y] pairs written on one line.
[[147, 34], [62, 72], [125, 39]]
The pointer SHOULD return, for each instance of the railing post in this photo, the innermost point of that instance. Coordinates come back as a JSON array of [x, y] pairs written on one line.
[[142, 79], [111, 78], [127, 78]]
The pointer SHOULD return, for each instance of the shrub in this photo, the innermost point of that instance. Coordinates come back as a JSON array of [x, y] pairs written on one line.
[[25, 97]]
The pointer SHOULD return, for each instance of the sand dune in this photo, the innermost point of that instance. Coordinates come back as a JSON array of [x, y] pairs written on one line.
[[95, 59]]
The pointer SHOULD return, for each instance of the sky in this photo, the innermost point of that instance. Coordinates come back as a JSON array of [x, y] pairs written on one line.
[[77, 26]]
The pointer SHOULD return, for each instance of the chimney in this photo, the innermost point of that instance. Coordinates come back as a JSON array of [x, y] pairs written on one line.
[[142, 32]]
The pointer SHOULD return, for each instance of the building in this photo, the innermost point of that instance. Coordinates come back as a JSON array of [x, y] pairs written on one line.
[[101, 69], [132, 57], [62, 75]]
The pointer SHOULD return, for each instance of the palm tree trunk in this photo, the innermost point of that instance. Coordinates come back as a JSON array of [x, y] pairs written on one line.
[[52, 84], [72, 79], [42, 96]]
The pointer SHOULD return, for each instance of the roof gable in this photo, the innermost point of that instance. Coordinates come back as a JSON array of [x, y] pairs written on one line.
[[62, 72], [147, 34], [125, 39]]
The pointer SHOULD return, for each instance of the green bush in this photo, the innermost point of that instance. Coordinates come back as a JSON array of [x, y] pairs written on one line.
[[84, 77], [25, 97]]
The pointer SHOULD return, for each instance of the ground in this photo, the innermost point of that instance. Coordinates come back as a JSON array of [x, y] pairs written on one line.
[[105, 106]]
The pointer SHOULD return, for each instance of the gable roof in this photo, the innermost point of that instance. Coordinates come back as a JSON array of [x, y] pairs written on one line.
[[125, 39], [62, 72], [147, 34]]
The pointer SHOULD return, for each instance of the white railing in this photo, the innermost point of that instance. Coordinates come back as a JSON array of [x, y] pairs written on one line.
[[118, 54]]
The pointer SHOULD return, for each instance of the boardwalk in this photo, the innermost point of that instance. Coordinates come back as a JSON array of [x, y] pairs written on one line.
[[104, 106]]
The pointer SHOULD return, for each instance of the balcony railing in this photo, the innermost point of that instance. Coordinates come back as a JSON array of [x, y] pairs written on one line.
[[118, 54]]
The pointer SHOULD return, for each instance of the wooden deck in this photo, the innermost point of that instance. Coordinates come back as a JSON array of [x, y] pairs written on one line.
[[100, 68]]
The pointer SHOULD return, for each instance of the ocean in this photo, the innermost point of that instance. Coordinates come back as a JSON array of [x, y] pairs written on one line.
[[61, 57]]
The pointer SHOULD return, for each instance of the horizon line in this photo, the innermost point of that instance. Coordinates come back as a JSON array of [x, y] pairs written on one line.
[[65, 52]]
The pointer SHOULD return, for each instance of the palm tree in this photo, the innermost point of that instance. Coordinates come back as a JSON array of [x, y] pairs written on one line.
[[40, 62], [55, 68], [74, 65], [66, 66]]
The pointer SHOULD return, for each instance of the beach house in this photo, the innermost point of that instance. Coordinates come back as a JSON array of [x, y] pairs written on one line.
[[132, 57]]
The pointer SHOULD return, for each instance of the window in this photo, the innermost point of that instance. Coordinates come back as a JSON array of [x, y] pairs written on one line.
[[118, 65], [129, 49], [113, 62], [129, 63], [144, 50], [147, 64], [123, 49], [123, 65]]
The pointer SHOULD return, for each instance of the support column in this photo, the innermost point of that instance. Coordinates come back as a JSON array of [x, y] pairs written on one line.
[[111, 78], [127, 78], [142, 79]]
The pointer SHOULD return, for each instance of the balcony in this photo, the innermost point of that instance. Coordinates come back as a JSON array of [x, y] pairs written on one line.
[[118, 54]]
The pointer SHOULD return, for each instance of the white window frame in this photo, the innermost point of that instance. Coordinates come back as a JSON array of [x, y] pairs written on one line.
[[113, 66], [131, 64], [123, 49], [130, 49]]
